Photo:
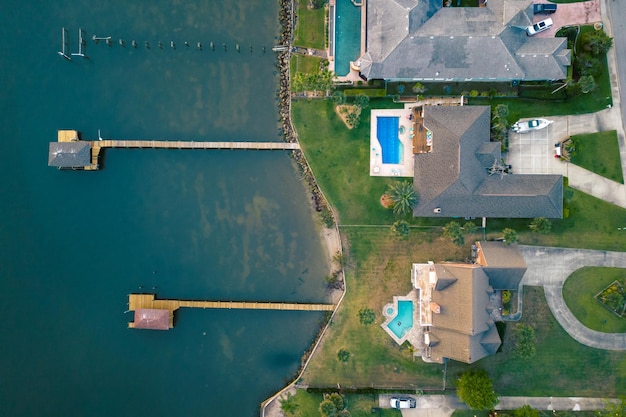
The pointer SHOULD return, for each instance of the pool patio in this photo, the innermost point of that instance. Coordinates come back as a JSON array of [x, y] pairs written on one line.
[[415, 335], [405, 134]]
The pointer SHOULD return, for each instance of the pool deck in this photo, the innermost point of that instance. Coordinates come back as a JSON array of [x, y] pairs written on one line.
[[405, 167], [415, 335]]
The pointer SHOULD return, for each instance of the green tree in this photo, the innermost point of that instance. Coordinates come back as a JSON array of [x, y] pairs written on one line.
[[510, 236], [453, 231], [328, 409], [288, 404], [475, 389], [501, 111], [418, 88], [587, 64], [367, 316], [344, 413], [541, 225], [597, 42], [526, 411], [343, 355], [403, 197], [337, 400], [362, 101], [400, 227], [338, 97], [353, 119], [470, 227], [587, 83], [524, 341]]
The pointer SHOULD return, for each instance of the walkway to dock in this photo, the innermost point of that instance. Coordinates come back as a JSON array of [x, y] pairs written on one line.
[[169, 144], [148, 301]]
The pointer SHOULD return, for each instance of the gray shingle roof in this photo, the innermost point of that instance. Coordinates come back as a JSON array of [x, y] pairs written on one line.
[[69, 154], [422, 40], [504, 264], [454, 181]]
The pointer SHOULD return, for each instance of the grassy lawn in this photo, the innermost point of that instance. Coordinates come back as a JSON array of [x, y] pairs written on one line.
[[561, 366], [309, 30], [579, 292], [339, 158], [597, 152], [359, 405], [378, 267], [305, 63], [592, 224]]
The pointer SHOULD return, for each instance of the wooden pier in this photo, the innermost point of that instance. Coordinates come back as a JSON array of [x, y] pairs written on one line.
[[149, 302], [98, 145]]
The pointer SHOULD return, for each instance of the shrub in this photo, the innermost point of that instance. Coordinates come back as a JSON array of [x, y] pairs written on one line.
[[367, 316], [343, 355], [596, 42]]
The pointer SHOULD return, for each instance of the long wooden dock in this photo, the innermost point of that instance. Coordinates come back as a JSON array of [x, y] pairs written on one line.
[[97, 145], [176, 144], [149, 301]]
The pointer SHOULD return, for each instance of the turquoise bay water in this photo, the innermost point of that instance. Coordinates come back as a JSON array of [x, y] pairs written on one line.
[[347, 35], [403, 320], [192, 224]]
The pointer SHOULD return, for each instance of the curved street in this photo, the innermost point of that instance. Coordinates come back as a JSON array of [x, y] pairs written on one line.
[[549, 267]]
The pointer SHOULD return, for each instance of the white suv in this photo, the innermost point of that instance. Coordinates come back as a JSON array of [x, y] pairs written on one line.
[[539, 27], [402, 402]]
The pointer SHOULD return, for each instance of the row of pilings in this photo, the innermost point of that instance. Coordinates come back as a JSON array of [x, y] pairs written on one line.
[[287, 21]]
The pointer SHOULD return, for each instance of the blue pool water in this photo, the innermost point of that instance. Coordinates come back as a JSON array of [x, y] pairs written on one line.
[[387, 135], [403, 321], [347, 35]]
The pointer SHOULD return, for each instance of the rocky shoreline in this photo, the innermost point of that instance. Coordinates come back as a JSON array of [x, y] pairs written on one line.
[[284, 97]]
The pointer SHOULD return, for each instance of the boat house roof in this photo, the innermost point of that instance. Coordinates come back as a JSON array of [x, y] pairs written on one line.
[[152, 318], [69, 154]]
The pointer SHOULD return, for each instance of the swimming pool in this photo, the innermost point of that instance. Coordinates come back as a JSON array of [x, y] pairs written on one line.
[[347, 35], [387, 135], [403, 321]]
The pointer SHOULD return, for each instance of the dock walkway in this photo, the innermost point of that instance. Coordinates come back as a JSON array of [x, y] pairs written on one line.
[[149, 301]]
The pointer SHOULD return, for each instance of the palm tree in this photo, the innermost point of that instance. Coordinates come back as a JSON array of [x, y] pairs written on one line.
[[288, 404], [403, 197]]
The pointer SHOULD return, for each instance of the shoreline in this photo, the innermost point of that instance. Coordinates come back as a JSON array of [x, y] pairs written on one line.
[[330, 237]]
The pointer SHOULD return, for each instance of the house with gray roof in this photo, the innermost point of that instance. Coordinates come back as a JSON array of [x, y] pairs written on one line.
[[420, 40], [75, 154], [461, 174]]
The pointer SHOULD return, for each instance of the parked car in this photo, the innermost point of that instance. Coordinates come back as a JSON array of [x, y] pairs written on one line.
[[402, 402], [539, 27], [544, 8]]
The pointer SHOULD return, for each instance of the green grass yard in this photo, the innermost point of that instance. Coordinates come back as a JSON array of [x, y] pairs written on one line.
[[359, 405], [309, 31], [579, 292], [599, 153], [305, 63]]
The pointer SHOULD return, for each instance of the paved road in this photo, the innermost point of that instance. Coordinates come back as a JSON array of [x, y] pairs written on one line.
[[444, 405], [550, 267]]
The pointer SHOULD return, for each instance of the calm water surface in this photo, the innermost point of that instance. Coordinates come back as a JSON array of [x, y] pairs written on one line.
[[194, 224]]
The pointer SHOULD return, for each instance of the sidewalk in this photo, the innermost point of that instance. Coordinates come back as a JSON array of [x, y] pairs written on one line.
[[444, 405]]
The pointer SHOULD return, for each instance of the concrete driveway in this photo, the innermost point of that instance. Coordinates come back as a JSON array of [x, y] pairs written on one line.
[[568, 14], [550, 267]]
